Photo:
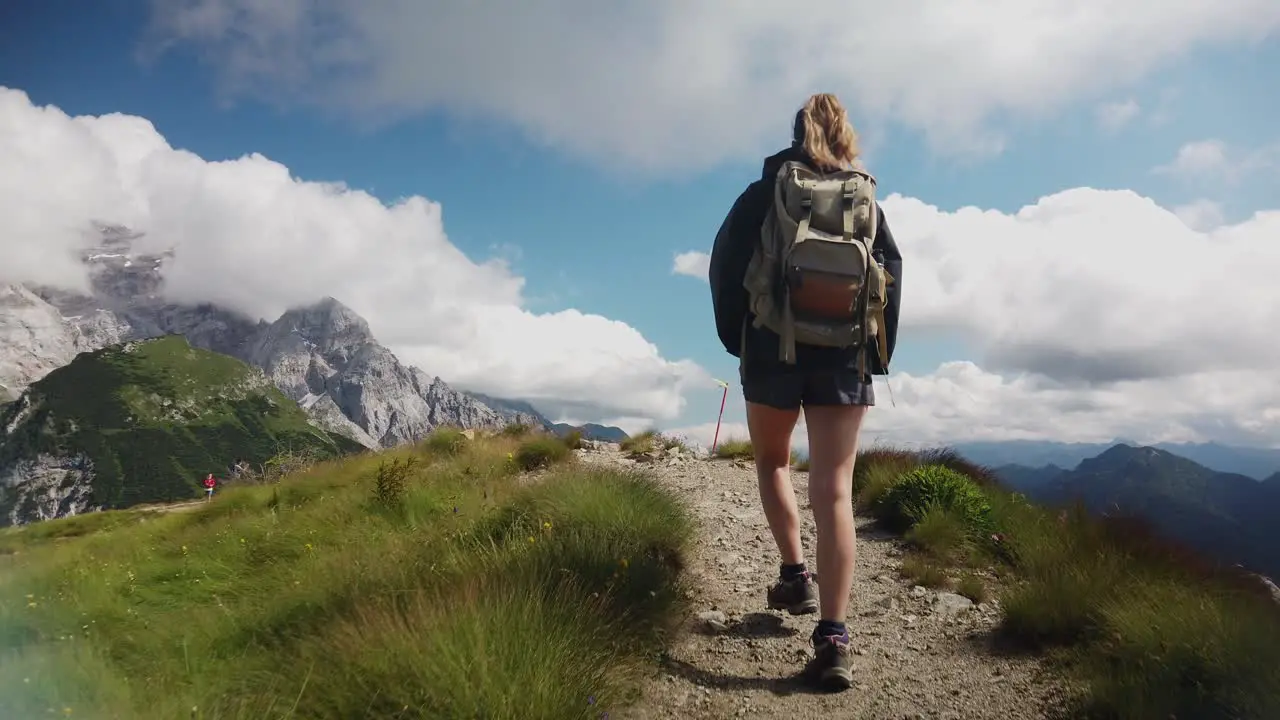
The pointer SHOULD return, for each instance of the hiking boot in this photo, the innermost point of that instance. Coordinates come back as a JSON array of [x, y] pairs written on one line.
[[831, 666], [797, 596]]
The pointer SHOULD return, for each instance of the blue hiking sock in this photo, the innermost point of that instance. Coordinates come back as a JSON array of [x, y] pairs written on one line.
[[791, 572], [827, 628]]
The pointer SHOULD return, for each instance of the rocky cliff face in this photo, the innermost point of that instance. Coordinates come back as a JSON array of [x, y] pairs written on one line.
[[322, 356], [47, 487]]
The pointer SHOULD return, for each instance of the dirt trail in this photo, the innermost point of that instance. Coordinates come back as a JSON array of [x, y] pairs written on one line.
[[919, 654], [184, 506]]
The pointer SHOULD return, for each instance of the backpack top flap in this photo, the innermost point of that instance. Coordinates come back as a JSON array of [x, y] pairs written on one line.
[[797, 182]]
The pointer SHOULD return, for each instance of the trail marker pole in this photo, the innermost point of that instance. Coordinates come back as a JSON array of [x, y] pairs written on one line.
[[716, 440]]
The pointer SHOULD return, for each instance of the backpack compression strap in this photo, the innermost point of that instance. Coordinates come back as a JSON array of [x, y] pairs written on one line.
[[787, 344]]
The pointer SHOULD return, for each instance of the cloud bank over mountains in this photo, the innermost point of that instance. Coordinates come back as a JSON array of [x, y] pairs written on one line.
[[680, 83], [249, 236], [1090, 315]]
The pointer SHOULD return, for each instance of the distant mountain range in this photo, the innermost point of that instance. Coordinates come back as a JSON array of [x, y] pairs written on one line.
[[1257, 463], [519, 411], [323, 356], [1227, 516], [592, 431]]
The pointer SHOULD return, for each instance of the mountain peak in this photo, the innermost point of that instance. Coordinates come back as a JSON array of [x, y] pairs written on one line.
[[1121, 455], [327, 321], [1124, 450]]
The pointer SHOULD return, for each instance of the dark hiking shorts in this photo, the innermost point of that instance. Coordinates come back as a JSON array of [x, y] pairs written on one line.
[[788, 391]]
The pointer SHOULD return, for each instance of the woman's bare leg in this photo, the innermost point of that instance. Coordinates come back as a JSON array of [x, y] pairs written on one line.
[[771, 430], [833, 447]]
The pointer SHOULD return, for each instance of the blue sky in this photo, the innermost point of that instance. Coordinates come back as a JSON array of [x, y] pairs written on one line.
[[600, 238]]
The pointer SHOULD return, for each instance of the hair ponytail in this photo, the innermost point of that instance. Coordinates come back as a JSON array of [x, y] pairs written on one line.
[[822, 129]]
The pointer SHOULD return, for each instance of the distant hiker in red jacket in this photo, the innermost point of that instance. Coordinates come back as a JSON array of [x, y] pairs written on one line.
[[209, 485], [805, 282]]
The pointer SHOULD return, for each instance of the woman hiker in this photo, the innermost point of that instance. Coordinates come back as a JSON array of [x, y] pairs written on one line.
[[800, 365]]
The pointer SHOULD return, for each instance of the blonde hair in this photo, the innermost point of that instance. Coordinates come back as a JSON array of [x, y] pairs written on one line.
[[822, 128]]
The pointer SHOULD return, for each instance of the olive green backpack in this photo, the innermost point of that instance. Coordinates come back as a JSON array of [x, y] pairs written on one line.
[[813, 279]]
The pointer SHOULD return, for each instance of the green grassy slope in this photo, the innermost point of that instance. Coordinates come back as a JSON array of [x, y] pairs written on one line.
[[154, 417], [425, 582], [1146, 628]]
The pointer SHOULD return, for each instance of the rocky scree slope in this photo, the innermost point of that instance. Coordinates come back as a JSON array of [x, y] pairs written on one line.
[[919, 653], [322, 356], [142, 422]]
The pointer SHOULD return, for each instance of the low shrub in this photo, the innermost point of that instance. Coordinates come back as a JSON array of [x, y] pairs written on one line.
[[445, 442], [391, 481], [912, 496], [541, 452]]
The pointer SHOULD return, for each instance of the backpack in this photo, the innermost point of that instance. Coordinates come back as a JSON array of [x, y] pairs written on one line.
[[813, 278]]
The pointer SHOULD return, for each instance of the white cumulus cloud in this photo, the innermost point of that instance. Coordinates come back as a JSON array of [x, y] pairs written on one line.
[[1091, 314], [695, 264], [250, 236], [1214, 161], [668, 83]]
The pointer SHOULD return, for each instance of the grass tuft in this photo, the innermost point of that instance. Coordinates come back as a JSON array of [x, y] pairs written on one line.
[[934, 487], [972, 587], [645, 443], [735, 449], [445, 442], [920, 570], [540, 452], [941, 534]]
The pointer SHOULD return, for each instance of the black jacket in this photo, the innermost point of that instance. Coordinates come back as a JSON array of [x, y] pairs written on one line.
[[736, 241]]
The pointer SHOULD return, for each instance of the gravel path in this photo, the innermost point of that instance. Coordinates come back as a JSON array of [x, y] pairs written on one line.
[[919, 653]]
